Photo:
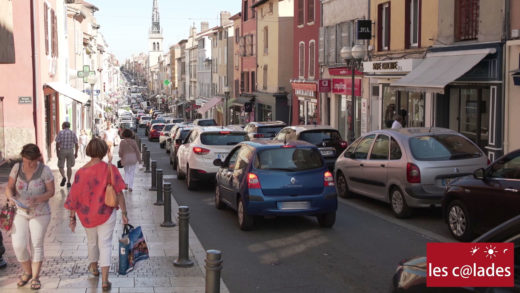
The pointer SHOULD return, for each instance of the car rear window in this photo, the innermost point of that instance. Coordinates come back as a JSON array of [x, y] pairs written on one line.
[[443, 147], [158, 127], [222, 138], [146, 118], [289, 159], [177, 120], [168, 127], [184, 133], [269, 131], [206, 123], [317, 137]]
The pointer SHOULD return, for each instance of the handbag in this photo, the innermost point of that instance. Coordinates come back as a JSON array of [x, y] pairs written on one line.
[[132, 248], [7, 214], [119, 164], [110, 193]]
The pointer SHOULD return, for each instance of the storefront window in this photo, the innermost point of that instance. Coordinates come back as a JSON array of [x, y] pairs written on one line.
[[342, 114], [308, 112], [409, 105], [389, 106], [265, 112]]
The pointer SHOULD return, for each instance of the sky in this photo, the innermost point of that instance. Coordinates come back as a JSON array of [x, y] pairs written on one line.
[[125, 23]]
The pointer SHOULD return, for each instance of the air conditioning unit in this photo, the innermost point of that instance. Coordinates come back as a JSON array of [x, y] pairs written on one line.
[[515, 33]]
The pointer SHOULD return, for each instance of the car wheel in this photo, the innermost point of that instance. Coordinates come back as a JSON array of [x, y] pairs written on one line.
[[398, 203], [189, 179], [175, 163], [342, 186], [245, 221], [459, 221], [180, 176], [161, 145], [218, 202], [327, 220]]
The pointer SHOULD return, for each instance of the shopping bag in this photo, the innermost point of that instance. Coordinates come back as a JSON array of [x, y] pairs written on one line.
[[7, 214], [132, 248]]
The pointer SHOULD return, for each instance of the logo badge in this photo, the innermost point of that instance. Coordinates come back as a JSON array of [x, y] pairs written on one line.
[[293, 180]]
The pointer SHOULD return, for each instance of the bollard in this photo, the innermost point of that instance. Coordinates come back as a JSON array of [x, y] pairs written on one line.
[[213, 268], [143, 150], [154, 176], [147, 161], [167, 189], [159, 184], [138, 141], [183, 259]]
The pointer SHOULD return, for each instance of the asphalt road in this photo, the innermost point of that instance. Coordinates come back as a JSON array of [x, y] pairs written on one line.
[[293, 254]]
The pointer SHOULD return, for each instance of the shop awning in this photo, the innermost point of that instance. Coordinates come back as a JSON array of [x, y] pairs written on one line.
[[439, 69], [209, 104], [67, 90], [238, 101]]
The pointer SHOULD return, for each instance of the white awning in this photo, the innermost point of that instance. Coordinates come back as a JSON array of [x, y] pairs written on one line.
[[210, 104], [67, 90], [439, 69]]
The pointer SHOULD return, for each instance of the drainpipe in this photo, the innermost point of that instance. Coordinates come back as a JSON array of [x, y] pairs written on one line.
[[505, 72], [35, 69]]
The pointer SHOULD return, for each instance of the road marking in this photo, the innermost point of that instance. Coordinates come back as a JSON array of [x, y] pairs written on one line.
[[391, 219]]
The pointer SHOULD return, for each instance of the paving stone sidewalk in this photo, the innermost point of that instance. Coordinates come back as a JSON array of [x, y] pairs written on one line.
[[65, 265]]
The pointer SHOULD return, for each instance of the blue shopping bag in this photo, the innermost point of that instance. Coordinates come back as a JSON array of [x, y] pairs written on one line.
[[132, 248]]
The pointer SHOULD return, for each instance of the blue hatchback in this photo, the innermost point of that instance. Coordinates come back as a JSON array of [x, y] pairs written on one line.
[[273, 178]]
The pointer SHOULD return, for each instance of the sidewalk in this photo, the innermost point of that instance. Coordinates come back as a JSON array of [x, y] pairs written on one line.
[[65, 266]]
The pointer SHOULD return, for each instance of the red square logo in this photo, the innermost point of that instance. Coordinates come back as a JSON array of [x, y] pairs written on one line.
[[470, 265]]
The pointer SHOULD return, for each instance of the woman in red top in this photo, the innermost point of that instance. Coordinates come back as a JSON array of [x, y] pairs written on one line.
[[87, 199]]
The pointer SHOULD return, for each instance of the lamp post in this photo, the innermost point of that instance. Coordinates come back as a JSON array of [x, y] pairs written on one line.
[[92, 79], [226, 93], [353, 57]]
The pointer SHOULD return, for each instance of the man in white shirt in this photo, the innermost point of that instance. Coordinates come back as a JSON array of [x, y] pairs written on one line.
[[398, 122]]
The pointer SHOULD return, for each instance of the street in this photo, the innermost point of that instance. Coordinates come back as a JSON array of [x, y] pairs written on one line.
[[359, 254]]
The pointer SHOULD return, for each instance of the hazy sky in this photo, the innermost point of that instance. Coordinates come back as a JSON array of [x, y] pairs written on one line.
[[125, 23]]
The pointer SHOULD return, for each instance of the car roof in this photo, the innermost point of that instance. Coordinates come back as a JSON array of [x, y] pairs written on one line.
[[300, 128], [268, 123], [415, 131], [216, 129], [276, 143]]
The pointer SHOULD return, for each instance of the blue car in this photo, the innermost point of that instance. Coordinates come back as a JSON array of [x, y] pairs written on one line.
[[274, 178]]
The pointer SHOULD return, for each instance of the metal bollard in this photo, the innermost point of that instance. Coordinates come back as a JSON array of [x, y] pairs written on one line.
[[147, 161], [159, 184], [154, 176], [143, 150], [213, 268], [183, 259], [138, 141], [167, 189]]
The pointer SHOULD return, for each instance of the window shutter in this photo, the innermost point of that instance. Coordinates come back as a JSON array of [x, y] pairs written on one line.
[[46, 28], [310, 10], [331, 54], [55, 34], [253, 44], [300, 12], [321, 49], [380, 27], [407, 24], [389, 21]]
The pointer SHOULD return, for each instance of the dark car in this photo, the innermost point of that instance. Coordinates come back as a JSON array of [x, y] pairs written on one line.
[[326, 138], [204, 122], [474, 204], [263, 130], [181, 133], [272, 178], [410, 275]]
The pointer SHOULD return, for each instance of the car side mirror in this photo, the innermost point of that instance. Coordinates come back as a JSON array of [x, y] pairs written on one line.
[[480, 174], [218, 163]]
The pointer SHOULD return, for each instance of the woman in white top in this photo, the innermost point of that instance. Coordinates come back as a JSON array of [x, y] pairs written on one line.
[[109, 136], [83, 141], [398, 122]]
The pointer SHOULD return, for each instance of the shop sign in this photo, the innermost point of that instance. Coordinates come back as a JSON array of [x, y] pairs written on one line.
[[324, 86], [344, 86], [305, 93], [396, 66], [343, 71], [364, 29], [24, 100]]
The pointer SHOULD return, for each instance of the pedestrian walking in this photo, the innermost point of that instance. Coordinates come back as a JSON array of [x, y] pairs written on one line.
[[67, 150], [30, 186], [86, 199], [398, 122], [3, 263], [130, 155], [109, 136], [83, 141]]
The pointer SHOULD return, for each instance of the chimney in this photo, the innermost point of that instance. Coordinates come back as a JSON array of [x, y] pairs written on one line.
[[204, 26], [193, 31], [224, 18]]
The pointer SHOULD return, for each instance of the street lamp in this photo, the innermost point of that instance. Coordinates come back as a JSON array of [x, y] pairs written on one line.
[[92, 79], [353, 57], [226, 93]]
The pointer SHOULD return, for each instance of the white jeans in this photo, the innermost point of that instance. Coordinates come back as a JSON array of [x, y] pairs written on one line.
[[129, 175], [29, 231], [99, 241]]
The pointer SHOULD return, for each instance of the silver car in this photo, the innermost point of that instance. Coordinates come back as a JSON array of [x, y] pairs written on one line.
[[407, 167]]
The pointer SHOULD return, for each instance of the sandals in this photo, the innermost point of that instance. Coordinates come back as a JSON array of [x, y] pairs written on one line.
[[23, 281], [106, 286], [35, 284], [93, 270]]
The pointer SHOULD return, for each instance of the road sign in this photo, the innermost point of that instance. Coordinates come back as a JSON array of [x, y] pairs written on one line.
[[85, 73]]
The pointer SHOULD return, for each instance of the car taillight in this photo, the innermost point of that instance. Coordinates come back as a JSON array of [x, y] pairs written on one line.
[[153, 130], [328, 180], [489, 161], [343, 144], [225, 132], [413, 174], [252, 181], [258, 135], [200, 151], [287, 146], [161, 134]]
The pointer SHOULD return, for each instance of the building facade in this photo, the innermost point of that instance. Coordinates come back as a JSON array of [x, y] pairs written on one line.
[[512, 79]]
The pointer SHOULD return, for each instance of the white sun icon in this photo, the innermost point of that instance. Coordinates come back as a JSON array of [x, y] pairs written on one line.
[[490, 251], [474, 250]]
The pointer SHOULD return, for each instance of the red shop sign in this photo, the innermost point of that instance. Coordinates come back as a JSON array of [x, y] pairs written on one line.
[[324, 86], [344, 86]]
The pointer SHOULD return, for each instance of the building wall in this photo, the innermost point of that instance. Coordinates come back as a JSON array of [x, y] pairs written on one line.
[[512, 136], [285, 44], [515, 14], [237, 60], [271, 21], [306, 33], [335, 11]]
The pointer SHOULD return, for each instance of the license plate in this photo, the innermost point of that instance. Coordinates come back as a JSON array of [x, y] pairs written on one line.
[[294, 205], [327, 153], [221, 156]]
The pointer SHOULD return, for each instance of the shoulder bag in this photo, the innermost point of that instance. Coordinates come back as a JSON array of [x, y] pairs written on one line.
[[8, 212], [110, 193]]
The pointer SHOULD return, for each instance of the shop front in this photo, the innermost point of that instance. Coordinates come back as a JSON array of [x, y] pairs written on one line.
[[305, 104], [271, 107]]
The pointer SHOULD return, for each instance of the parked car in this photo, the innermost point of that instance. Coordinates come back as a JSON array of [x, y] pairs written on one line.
[[165, 134], [273, 178], [410, 275], [407, 167], [143, 120], [326, 138], [126, 125], [474, 204], [155, 131], [204, 122], [203, 145], [263, 130], [181, 132]]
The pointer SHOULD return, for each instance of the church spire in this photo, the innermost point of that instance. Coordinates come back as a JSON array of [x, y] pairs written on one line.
[[156, 26]]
